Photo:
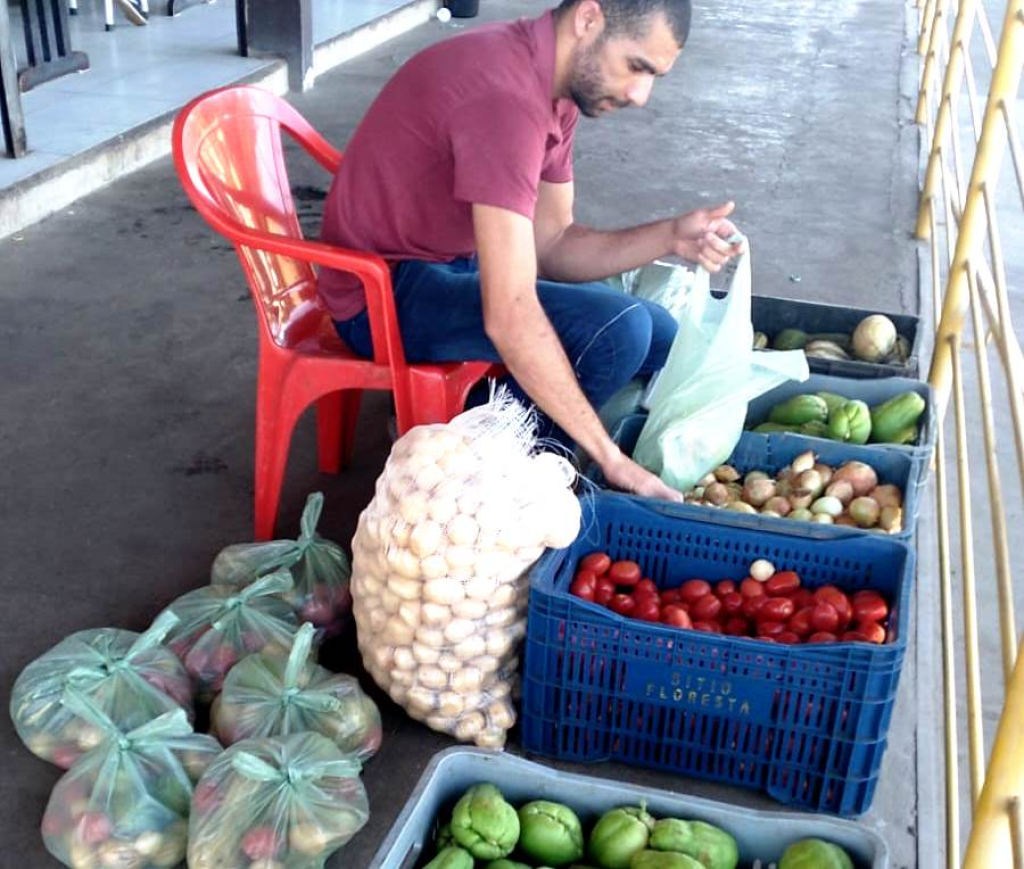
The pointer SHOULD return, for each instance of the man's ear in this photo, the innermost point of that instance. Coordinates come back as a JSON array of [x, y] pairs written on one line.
[[588, 19]]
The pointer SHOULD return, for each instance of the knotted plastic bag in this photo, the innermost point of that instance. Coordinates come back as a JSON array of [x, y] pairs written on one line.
[[440, 558], [125, 804], [669, 285], [266, 695], [319, 568], [698, 401], [286, 802], [220, 624], [129, 676]]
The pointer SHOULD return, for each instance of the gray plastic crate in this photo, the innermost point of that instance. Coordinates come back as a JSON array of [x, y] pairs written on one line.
[[761, 835]]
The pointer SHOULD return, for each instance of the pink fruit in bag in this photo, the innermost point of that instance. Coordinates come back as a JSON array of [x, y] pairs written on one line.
[[65, 756], [261, 843], [93, 828], [206, 797]]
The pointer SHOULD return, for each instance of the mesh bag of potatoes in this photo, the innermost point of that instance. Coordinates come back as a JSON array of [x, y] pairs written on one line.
[[440, 561]]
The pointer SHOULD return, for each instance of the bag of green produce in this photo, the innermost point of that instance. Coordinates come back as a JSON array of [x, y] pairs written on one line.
[[698, 402], [220, 624], [287, 801], [129, 676], [126, 802], [668, 284], [319, 568], [267, 695]]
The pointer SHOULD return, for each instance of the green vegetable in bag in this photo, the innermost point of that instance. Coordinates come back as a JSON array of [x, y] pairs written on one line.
[[799, 409], [850, 423], [130, 677], [895, 421], [451, 858], [790, 339], [267, 695], [619, 835], [484, 824], [663, 860], [550, 833], [290, 799], [815, 854], [126, 802], [319, 568]]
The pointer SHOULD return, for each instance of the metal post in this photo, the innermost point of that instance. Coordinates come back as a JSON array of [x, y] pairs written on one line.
[[283, 27], [11, 116]]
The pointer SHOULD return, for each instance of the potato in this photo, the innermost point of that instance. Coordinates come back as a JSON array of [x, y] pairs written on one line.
[[500, 618], [441, 723], [390, 602], [426, 538], [433, 566], [435, 614], [371, 586], [467, 679], [485, 663], [431, 637], [404, 658], [449, 662], [442, 509], [425, 654], [428, 477], [399, 533], [501, 715], [423, 698], [377, 619], [443, 591], [503, 596], [398, 693], [498, 641], [460, 558], [450, 704], [432, 677], [469, 726], [470, 608], [481, 588], [403, 564], [413, 506], [470, 648], [398, 632], [490, 738], [462, 530], [410, 611], [405, 678], [459, 629]]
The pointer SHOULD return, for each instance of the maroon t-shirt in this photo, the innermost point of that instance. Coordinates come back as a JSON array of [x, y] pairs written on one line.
[[468, 120]]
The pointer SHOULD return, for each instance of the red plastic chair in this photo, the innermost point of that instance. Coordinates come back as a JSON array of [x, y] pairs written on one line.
[[228, 153]]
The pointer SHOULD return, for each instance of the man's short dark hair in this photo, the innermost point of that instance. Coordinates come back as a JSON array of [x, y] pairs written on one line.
[[632, 17]]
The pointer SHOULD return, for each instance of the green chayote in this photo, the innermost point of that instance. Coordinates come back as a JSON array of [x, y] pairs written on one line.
[[618, 835], [663, 860], [815, 854], [484, 824], [451, 858], [550, 833]]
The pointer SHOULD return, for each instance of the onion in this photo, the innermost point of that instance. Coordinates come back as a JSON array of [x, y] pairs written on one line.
[[827, 504], [810, 481], [762, 570], [862, 477], [865, 512], [716, 494], [778, 505], [757, 491], [740, 507], [887, 495], [803, 462], [890, 519], [801, 513], [801, 500], [822, 518], [755, 475], [843, 490], [726, 474]]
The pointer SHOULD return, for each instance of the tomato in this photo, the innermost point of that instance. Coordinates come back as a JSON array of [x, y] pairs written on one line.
[[597, 562], [676, 616], [787, 637], [694, 589], [624, 573], [873, 631], [752, 605], [869, 606], [800, 622], [604, 591], [584, 585], [732, 603], [801, 598], [670, 596], [736, 626], [824, 618], [646, 586], [708, 627], [706, 608], [776, 608], [783, 582], [854, 636], [832, 595], [623, 604], [726, 586], [750, 587], [648, 609], [822, 637], [770, 628]]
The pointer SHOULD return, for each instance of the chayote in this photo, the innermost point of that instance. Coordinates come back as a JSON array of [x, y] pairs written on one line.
[[663, 860], [550, 833], [484, 824], [505, 864], [850, 423], [451, 858], [444, 837], [815, 854], [672, 834], [709, 845], [619, 835]]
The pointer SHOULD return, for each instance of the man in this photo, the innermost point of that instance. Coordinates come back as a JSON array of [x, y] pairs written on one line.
[[461, 175]]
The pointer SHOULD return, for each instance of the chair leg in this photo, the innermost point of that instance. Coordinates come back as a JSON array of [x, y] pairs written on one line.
[[330, 411], [275, 421], [351, 400]]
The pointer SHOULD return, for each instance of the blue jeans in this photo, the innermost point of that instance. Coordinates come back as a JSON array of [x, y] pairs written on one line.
[[609, 337]]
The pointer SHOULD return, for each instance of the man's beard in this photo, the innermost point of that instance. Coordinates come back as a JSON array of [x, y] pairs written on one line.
[[586, 87]]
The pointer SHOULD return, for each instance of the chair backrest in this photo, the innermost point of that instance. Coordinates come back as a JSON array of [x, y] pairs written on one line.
[[228, 153]]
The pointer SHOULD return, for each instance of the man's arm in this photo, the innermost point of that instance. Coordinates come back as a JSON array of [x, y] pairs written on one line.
[[570, 252], [531, 350]]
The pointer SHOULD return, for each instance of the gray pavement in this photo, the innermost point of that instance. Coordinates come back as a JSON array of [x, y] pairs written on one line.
[[128, 348]]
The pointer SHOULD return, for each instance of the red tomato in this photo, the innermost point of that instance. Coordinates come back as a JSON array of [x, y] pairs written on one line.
[[676, 616], [623, 604], [750, 587], [624, 573], [832, 595], [706, 608], [732, 603], [597, 562], [800, 622], [822, 637], [708, 627], [787, 637], [873, 631], [824, 618], [648, 609], [770, 628], [670, 596], [801, 598], [783, 582], [736, 626], [693, 589], [646, 586], [854, 636], [604, 591], [869, 606], [776, 608], [584, 586], [726, 586], [752, 605]]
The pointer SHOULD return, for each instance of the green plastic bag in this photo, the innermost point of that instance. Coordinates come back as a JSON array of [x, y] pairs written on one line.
[[126, 802], [669, 285], [221, 624], [129, 676], [698, 402], [290, 801], [266, 695], [319, 568]]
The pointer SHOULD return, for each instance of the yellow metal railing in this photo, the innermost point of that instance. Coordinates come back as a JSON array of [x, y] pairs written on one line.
[[962, 199]]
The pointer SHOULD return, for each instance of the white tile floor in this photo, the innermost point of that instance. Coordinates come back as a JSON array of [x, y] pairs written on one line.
[[140, 73]]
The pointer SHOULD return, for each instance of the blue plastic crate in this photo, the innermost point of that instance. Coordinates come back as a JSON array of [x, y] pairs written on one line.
[[771, 453], [872, 392], [759, 835], [807, 724]]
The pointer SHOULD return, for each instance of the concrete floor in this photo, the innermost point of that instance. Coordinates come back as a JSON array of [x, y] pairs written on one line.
[[127, 345]]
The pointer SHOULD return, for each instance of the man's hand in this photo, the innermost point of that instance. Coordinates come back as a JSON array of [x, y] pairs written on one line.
[[623, 473], [700, 236]]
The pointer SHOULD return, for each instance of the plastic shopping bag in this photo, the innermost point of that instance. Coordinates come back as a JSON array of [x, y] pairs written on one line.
[[284, 802], [126, 802], [221, 624], [698, 401], [266, 695], [319, 568], [667, 284], [129, 676]]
